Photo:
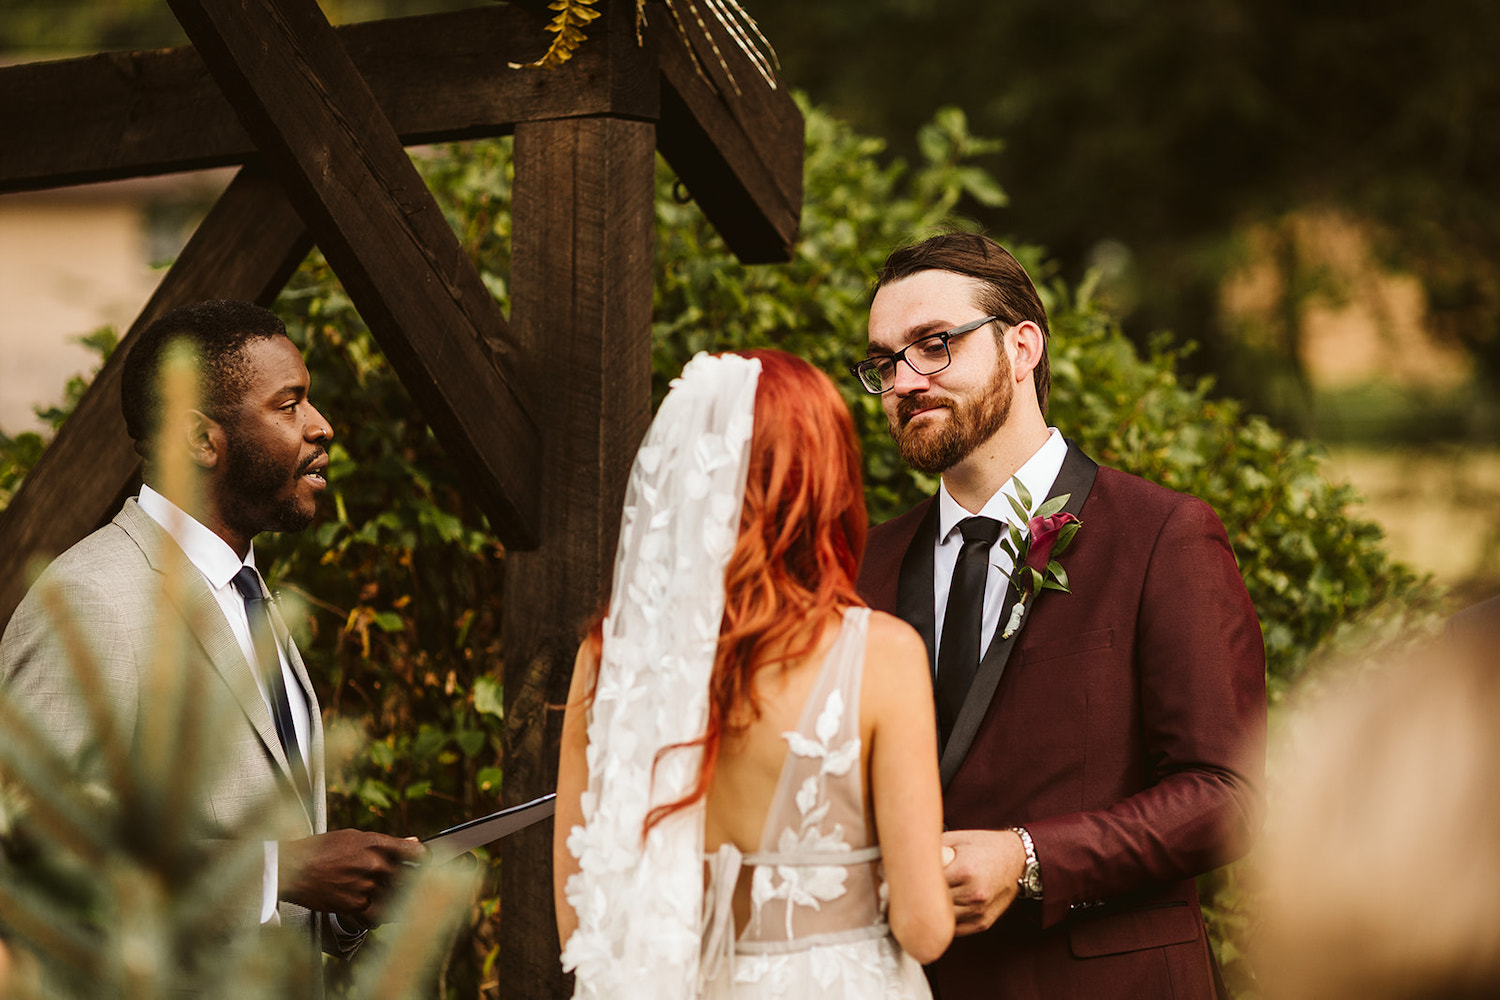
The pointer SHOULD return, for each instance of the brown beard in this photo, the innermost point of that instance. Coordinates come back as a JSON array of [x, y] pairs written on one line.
[[970, 423]]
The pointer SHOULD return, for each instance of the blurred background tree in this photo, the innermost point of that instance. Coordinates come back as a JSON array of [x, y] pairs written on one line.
[[1147, 138]]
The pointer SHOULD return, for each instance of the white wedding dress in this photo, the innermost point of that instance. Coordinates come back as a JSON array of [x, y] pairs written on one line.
[[817, 927], [648, 927]]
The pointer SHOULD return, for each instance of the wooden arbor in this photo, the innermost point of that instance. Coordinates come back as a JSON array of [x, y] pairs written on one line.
[[317, 118]]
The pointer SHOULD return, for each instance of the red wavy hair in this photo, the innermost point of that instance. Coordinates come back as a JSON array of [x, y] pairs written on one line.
[[802, 536]]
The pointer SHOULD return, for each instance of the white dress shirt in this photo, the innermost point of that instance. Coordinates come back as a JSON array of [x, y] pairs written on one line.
[[213, 557], [1038, 475]]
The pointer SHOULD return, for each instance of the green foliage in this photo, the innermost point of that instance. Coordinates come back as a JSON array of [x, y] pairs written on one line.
[[1144, 136], [1308, 563], [20, 452]]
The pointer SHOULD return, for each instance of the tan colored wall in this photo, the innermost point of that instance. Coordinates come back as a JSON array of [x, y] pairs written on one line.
[[73, 260]]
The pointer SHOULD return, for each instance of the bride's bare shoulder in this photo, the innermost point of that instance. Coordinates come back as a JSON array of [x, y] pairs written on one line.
[[894, 647]]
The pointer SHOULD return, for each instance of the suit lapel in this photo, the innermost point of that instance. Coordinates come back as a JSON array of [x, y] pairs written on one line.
[[914, 589], [1077, 478], [206, 622]]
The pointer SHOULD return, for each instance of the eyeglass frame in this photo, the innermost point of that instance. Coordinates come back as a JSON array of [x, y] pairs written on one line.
[[944, 337]]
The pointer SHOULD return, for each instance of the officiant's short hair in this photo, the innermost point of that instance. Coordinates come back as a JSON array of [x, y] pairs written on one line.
[[216, 332]]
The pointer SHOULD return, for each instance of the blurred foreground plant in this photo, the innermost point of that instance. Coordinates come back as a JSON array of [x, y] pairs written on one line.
[[112, 884]]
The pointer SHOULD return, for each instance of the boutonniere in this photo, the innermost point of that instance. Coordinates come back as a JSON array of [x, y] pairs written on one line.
[[1034, 554]]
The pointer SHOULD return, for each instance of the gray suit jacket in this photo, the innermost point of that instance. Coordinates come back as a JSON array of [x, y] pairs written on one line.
[[121, 586]]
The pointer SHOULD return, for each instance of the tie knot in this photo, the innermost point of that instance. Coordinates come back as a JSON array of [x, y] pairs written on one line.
[[247, 582], [980, 529]]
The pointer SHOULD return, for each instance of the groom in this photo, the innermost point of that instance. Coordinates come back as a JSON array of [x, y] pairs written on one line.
[[1100, 747]]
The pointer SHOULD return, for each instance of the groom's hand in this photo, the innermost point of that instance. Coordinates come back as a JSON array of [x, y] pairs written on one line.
[[983, 875]]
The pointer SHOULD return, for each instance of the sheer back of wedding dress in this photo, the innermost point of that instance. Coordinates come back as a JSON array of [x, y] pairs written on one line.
[[817, 926]]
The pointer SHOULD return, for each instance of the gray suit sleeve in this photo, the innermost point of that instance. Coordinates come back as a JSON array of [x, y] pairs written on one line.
[[63, 615]]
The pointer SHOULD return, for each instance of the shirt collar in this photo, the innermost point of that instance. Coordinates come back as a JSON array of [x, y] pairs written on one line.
[[207, 551], [1038, 475]]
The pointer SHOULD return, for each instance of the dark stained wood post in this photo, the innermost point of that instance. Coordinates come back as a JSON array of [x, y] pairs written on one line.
[[581, 284]]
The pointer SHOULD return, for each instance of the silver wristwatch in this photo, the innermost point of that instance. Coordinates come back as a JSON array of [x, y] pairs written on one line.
[[1030, 882]]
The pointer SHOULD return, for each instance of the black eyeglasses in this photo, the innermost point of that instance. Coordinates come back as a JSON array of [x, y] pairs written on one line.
[[926, 356]]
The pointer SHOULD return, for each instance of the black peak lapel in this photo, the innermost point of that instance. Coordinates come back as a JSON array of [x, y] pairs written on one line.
[[914, 587], [1077, 478]]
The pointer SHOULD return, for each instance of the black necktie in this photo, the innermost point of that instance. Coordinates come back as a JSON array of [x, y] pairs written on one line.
[[247, 582], [958, 653]]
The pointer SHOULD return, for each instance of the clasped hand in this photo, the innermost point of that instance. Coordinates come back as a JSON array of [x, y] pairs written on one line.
[[983, 875], [351, 872]]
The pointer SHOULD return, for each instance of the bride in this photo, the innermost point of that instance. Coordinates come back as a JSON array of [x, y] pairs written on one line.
[[748, 801]]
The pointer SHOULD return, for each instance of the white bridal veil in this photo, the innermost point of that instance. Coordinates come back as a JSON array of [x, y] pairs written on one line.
[[639, 904]]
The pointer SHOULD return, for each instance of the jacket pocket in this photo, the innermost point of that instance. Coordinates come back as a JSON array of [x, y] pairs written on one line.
[[1149, 927], [1070, 645]]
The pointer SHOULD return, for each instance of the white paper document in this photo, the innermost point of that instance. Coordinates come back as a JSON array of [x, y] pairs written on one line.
[[456, 840]]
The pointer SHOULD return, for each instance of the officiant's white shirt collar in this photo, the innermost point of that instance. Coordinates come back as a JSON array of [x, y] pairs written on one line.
[[204, 549]]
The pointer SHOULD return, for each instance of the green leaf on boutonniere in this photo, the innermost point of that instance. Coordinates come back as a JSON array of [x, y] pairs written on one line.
[[1016, 505], [1065, 536], [1058, 577], [1024, 494], [1052, 506]]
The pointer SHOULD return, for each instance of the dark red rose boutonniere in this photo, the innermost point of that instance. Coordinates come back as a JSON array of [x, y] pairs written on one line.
[[1049, 532]]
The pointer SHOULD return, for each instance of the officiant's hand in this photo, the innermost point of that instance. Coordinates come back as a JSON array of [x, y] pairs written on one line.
[[344, 871], [983, 876]]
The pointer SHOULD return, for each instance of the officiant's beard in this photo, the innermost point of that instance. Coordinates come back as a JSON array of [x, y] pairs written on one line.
[[261, 493], [972, 420]]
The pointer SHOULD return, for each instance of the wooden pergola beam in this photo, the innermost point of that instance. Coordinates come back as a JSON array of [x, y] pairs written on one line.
[[437, 77], [77, 483], [738, 152], [324, 138]]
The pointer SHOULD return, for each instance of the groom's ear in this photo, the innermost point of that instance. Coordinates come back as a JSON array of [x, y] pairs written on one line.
[[1024, 345]]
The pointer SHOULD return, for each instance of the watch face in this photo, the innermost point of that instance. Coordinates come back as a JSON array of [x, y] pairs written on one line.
[[1031, 880]]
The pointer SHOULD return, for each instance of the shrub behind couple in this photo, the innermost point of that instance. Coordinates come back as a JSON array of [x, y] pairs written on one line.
[[741, 707]]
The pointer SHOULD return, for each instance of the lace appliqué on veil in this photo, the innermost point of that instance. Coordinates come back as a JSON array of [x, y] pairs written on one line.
[[639, 906]]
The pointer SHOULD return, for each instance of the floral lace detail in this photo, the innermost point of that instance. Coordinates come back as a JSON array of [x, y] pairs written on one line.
[[807, 885], [829, 939], [876, 969]]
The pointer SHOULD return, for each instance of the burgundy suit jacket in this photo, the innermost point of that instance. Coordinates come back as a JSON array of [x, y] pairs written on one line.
[[1123, 725]]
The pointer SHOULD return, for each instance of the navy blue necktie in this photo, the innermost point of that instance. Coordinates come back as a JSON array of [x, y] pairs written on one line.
[[247, 582], [963, 620]]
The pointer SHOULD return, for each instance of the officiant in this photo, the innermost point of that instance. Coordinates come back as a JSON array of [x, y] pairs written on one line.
[[255, 448]]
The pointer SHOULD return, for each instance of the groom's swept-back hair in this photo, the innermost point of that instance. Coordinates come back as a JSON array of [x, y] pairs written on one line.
[[1007, 292], [802, 536], [216, 332]]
